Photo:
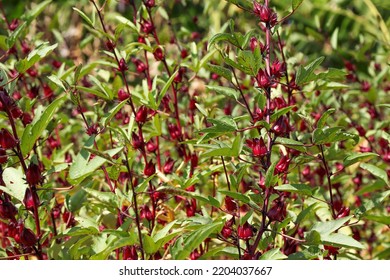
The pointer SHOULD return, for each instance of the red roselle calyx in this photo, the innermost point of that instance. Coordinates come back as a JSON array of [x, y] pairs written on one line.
[[7, 140], [282, 165], [122, 65], [258, 147], [158, 54], [168, 166], [151, 147], [30, 199], [149, 169], [230, 204], [141, 115], [174, 131], [7, 210], [33, 174], [139, 65], [145, 213], [150, 3], [245, 231], [136, 141], [27, 237], [130, 253], [277, 212], [122, 95], [266, 14]]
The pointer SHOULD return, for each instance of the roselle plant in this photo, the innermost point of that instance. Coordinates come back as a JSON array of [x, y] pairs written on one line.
[[236, 130]]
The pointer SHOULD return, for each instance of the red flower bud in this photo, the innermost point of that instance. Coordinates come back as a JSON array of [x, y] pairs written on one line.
[[27, 237], [141, 115], [263, 80], [122, 95], [168, 166], [183, 53], [145, 213], [150, 3], [136, 141], [130, 253], [149, 169], [30, 199], [122, 65], [344, 211], [110, 45], [194, 255], [230, 204], [33, 174], [158, 54], [282, 165], [151, 146], [140, 66], [14, 24], [147, 27], [7, 210], [245, 231], [190, 207], [253, 44], [16, 112], [174, 131], [265, 14], [278, 69], [7, 141], [258, 147], [277, 211], [26, 118]]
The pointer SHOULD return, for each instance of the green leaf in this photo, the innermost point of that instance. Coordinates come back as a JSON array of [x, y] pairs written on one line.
[[221, 71], [150, 246], [273, 254], [376, 171], [306, 74], [35, 129], [232, 151], [358, 157], [11, 40], [195, 238], [295, 188], [332, 134], [38, 9], [116, 243], [305, 212], [15, 183], [57, 81], [226, 91], [290, 143], [36, 55], [379, 219], [341, 240], [84, 17], [166, 87], [236, 195], [281, 112], [325, 228], [224, 37], [108, 117], [108, 198], [222, 125], [83, 167], [322, 121], [249, 62], [295, 4], [269, 176]]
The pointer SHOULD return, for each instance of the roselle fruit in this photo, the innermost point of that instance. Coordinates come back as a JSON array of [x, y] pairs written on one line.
[[258, 147], [230, 204], [122, 94], [277, 212], [27, 237], [145, 213], [33, 174], [168, 166], [30, 199], [265, 13], [158, 54], [130, 253], [245, 231], [151, 147], [7, 210], [141, 115], [7, 140], [149, 169], [136, 141]]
